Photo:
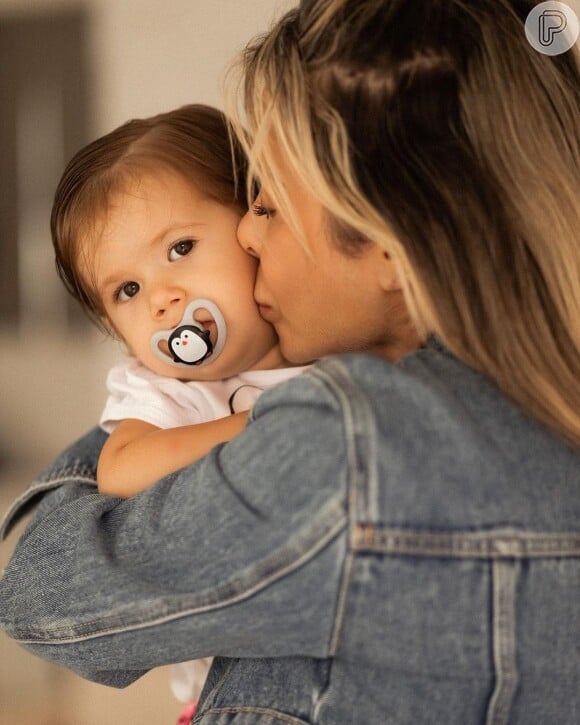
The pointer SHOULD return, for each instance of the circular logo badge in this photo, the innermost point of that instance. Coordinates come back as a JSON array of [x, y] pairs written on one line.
[[552, 28]]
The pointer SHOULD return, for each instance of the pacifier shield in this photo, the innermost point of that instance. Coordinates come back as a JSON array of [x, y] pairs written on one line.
[[189, 343]]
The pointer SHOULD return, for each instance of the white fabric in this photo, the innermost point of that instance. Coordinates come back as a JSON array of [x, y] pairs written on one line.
[[188, 678], [137, 392]]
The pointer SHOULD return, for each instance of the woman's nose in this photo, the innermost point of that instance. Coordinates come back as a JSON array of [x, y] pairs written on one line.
[[247, 236]]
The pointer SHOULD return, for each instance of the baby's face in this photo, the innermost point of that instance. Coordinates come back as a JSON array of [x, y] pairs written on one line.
[[164, 245]]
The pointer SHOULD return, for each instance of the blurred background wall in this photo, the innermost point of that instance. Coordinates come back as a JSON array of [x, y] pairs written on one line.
[[71, 70]]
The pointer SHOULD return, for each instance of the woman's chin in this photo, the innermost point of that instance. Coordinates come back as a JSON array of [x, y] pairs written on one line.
[[297, 354]]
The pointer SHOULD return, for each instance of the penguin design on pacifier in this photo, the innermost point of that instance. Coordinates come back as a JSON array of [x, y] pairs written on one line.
[[189, 343]]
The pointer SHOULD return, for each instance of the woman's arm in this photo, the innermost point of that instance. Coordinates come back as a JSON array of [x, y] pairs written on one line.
[[137, 454], [211, 560]]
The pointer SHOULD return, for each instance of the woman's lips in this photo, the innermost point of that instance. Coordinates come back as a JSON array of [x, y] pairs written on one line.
[[265, 311]]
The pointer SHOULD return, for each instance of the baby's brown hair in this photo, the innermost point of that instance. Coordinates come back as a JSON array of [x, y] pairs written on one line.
[[193, 141]]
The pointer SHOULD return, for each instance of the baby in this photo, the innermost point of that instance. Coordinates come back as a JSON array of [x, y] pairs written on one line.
[[144, 227]]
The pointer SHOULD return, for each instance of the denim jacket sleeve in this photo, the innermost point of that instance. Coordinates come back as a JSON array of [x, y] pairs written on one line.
[[241, 554]]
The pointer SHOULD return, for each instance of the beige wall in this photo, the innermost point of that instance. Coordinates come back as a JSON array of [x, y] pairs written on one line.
[[152, 55], [179, 55]]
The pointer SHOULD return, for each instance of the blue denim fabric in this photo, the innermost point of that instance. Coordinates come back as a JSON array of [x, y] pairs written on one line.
[[383, 544]]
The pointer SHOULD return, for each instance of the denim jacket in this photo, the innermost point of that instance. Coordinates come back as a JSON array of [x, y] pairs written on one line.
[[382, 544]]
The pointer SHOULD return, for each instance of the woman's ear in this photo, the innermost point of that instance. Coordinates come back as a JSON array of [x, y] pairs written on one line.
[[388, 272]]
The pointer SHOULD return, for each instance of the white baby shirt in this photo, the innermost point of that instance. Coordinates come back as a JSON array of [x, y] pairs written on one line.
[[137, 392]]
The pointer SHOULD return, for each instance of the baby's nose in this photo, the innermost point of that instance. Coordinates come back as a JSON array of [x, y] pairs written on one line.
[[165, 302]]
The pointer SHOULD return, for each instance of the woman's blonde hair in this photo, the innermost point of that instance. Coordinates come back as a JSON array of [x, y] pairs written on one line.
[[434, 129], [192, 141]]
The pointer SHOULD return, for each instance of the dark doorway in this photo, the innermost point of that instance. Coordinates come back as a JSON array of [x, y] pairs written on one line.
[[44, 110]]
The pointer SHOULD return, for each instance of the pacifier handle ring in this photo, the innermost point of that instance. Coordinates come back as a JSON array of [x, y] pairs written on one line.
[[188, 319]]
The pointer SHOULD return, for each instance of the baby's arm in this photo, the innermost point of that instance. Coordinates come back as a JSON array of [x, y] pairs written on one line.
[[137, 454]]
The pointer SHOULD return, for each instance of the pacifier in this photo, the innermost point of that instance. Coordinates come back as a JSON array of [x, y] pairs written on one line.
[[188, 343]]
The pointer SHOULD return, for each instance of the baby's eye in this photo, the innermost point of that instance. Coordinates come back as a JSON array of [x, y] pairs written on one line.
[[126, 291], [181, 249]]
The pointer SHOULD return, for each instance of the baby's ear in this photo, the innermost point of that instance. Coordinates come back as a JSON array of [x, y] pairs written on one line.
[[388, 271]]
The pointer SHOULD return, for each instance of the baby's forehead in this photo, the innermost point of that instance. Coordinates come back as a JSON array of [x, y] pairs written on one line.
[[120, 213], [99, 197], [93, 230], [106, 204]]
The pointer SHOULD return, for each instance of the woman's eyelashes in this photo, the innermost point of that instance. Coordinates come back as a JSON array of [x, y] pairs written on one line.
[[260, 209], [180, 249]]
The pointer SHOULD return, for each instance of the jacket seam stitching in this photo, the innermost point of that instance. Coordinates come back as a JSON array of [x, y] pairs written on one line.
[[275, 714], [482, 545], [331, 531], [358, 432], [208, 698], [353, 482], [12, 516], [504, 574], [358, 466]]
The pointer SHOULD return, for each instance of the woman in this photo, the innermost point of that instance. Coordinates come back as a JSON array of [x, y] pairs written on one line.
[[383, 543]]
